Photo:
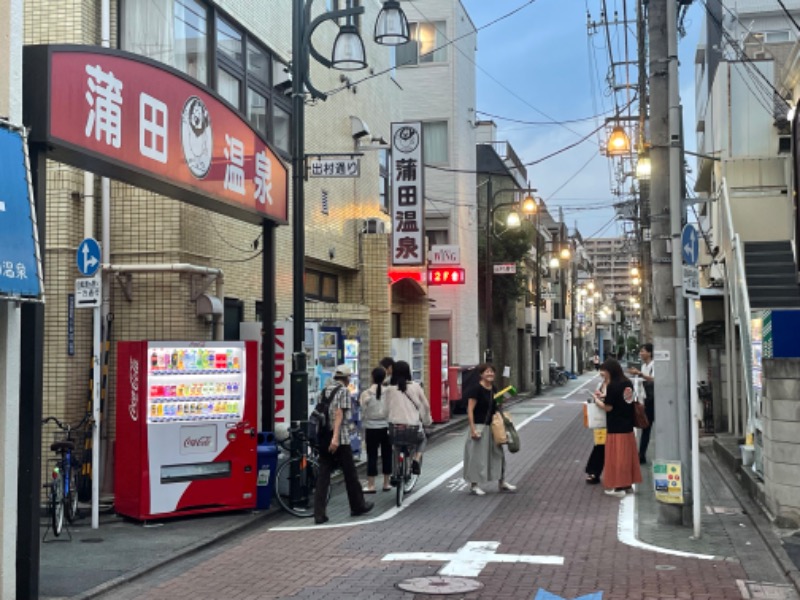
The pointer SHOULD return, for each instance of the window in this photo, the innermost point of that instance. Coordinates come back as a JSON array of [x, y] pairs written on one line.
[[229, 87], [427, 45], [280, 128], [383, 180], [180, 32], [257, 110], [234, 314], [321, 286], [434, 142], [437, 237], [180, 40]]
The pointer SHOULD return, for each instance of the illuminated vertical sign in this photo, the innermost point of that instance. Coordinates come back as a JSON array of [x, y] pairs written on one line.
[[408, 214]]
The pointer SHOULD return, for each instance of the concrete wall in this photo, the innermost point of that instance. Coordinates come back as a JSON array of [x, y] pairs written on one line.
[[781, 442]]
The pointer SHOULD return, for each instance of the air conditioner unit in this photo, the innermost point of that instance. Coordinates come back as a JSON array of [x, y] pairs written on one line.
[[373, 226]]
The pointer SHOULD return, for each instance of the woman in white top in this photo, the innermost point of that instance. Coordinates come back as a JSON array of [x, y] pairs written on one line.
[[376, 431], [408, 405]]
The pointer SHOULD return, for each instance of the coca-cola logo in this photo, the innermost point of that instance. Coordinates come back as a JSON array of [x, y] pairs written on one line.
[[204, 441], [133, 373]]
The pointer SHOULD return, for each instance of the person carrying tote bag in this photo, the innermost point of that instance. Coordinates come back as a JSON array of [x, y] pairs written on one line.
[[484, 460]]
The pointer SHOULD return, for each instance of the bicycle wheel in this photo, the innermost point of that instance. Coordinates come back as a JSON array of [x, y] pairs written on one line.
[[71, 498], [57, 505], [410, 479], [562, 378], [400, 465], [298, 474]]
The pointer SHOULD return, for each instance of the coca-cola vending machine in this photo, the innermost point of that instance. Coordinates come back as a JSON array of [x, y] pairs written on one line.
[[186, 428], [439, 382]]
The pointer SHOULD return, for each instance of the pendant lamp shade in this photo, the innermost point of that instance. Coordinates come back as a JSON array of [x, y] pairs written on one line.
[[348, 50], [391, 26]]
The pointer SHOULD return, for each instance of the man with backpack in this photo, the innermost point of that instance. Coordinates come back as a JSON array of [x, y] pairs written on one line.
[[334, 447]]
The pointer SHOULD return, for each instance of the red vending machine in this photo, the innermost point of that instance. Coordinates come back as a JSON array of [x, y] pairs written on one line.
[[439, 397], [186, 428]]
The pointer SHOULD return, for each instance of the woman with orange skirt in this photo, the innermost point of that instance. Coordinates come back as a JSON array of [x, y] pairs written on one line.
[[621, 468]]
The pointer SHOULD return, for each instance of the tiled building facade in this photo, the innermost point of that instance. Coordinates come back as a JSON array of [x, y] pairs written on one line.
[[346, 267]]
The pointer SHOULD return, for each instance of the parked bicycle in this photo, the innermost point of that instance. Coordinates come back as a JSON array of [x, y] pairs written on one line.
[[558, 376], [63, 487], [404, 440], [296, 479]]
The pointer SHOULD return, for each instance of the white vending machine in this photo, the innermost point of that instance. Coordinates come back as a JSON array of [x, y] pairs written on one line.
[[411, 350]]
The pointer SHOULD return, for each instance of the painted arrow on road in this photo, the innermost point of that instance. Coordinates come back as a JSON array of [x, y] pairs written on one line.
[[545, 595]]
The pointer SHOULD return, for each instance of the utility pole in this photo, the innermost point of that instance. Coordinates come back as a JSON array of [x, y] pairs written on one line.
[[645, 267], [669, 307]]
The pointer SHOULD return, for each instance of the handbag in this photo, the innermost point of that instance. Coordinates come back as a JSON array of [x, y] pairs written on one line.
[[640, 419], [512, 435], [499, 429], [594, 417]]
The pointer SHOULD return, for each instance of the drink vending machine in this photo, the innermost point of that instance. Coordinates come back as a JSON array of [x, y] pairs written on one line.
[[186, 428], [439, 381]]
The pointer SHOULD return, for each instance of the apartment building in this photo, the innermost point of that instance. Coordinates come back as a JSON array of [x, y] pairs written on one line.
[[612, 259], [438, 80]]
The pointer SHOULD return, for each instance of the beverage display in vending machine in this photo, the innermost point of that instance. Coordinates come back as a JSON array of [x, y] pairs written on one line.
[[186, 428]]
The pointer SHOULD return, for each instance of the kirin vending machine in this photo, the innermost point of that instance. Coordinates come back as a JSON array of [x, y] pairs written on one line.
[[186, 428], [439, 381]]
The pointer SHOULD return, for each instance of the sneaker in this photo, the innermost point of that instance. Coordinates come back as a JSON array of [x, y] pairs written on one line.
[[615, 493], [504, 486], [476, 491], [415, 467], [367, 507]]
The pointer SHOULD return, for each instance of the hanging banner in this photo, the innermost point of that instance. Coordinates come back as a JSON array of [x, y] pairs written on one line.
[[408, 208], [20, 264]]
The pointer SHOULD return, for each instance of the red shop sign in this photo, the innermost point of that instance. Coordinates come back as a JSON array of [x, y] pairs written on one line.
[[136, 120]]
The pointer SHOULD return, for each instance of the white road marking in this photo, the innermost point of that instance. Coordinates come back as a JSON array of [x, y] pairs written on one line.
[[471, 558], [409, 500], [579, 388], [627, 534]]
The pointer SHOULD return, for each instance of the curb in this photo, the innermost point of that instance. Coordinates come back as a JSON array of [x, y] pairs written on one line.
[[760, 521]]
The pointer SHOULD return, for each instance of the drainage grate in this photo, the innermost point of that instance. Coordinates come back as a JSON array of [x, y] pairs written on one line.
[[92, 541], [755, 590], [722, 510], [442, 586]]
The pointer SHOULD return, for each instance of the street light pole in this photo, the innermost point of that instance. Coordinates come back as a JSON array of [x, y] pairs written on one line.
[[391, 29], [537, 367], [528, 206]]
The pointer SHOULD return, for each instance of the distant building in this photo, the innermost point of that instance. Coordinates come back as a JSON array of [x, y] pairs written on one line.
[[612, 259]]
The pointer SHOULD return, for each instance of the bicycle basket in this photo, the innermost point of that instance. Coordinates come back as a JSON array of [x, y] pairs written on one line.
[[402, 435]]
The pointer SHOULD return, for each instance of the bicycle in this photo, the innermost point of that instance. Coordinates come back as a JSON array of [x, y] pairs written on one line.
[[296, 479], [404, 440], [63, 493]]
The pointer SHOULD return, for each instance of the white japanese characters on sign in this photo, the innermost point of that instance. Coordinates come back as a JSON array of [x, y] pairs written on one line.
[[11, 270], [505, 269], [339, 167], [263, 178], [153, 128], [105, 100], [408, 228], [691, 281], [88, 291], [234, 170]]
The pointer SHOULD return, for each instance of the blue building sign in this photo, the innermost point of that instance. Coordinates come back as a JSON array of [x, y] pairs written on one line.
[[20, 265]]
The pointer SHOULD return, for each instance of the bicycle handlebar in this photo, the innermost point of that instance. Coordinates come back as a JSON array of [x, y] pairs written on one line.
[[86, 419]]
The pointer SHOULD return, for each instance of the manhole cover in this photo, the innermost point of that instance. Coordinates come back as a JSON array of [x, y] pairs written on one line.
[[92, 541], [442, 586], [665, 567]]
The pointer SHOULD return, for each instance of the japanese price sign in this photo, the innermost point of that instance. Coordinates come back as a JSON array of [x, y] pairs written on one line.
[[408, 208], [120, 115], [20, 267], [334, 167]]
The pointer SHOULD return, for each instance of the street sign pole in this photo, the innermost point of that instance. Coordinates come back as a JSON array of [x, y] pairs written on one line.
[[89, 293]]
